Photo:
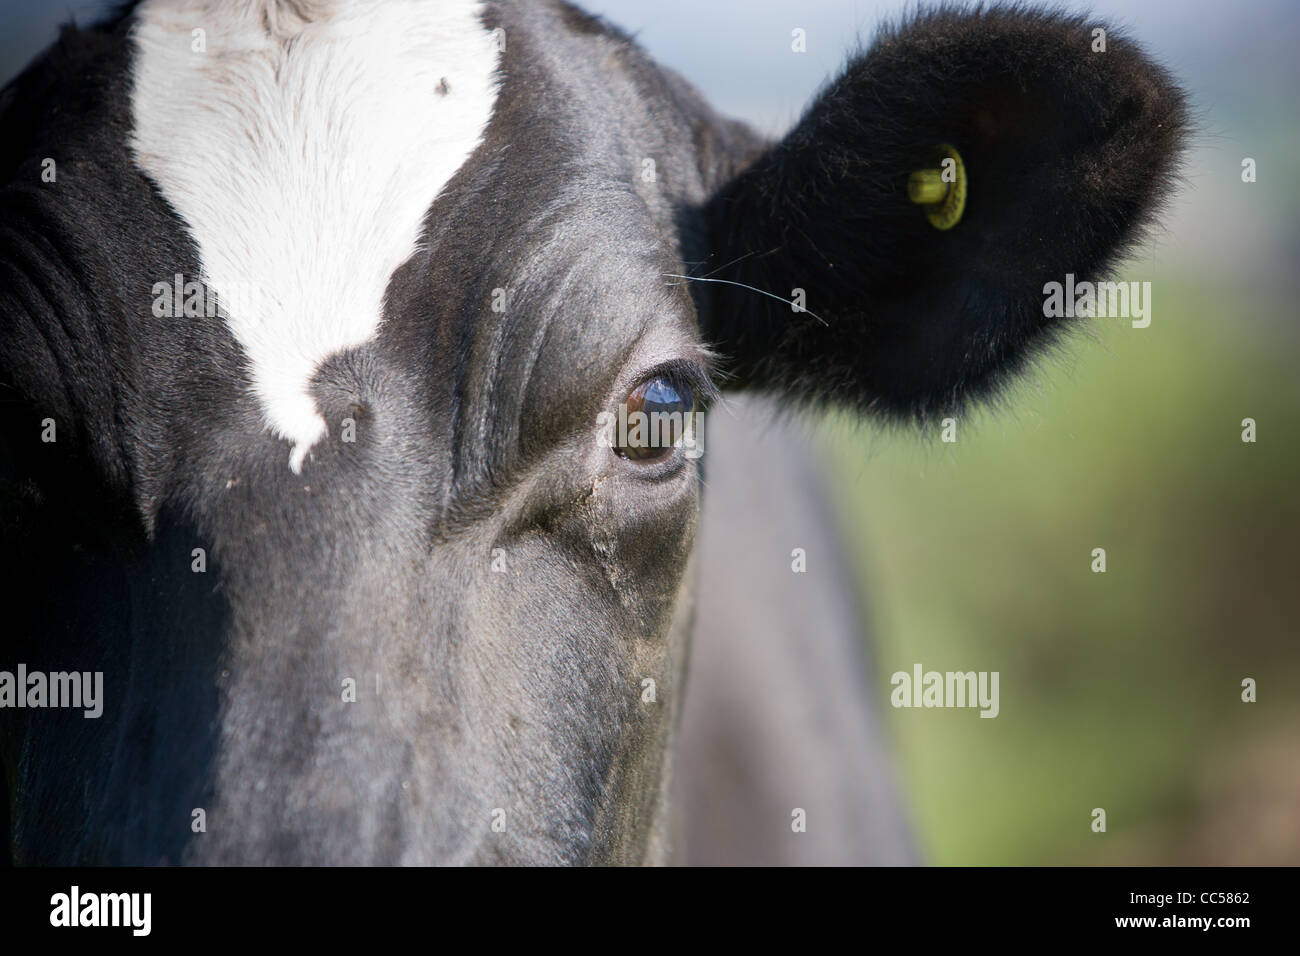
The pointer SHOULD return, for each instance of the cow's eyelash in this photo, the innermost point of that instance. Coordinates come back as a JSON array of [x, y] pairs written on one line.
[[691, 374]]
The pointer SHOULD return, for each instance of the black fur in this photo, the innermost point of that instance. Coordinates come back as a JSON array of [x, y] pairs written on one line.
[[1069, 153]]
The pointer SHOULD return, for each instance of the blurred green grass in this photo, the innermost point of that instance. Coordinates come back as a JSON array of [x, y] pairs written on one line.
[[1118, 690]]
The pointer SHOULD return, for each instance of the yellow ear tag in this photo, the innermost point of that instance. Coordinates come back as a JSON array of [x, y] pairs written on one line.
[[941, 191]]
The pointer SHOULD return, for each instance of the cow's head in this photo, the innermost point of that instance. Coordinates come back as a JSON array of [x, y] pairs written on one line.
[[363, 573]]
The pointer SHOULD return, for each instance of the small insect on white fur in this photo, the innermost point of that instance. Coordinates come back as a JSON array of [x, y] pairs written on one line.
[[303, 144]]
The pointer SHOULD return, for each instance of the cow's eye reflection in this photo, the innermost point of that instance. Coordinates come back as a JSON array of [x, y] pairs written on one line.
[[654, 417]]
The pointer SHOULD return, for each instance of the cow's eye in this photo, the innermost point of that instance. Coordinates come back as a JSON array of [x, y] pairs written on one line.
[[653, 419]]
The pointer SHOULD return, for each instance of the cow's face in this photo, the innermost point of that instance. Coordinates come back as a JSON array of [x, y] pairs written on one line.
[[442, 608]]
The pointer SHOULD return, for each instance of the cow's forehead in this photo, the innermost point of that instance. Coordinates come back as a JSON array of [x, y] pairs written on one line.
[[303, 146], [310, 152]]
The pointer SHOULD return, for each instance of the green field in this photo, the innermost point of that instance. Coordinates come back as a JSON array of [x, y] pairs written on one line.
[[1119, 690]]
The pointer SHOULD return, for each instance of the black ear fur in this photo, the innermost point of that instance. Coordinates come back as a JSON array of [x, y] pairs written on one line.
[[1069, 153]]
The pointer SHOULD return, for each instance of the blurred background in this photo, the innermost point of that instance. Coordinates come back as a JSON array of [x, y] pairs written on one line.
[[1119, 690]]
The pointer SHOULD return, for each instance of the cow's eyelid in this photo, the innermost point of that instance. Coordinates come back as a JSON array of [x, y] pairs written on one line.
[[690, 373]]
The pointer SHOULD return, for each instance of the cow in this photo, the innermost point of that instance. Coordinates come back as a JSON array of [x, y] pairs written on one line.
[[316, 314]]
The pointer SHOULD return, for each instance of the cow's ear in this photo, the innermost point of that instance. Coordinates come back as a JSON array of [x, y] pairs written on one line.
[[1064, 139]]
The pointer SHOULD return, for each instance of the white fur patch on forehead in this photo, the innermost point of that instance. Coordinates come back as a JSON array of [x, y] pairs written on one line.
[[303, 143]]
